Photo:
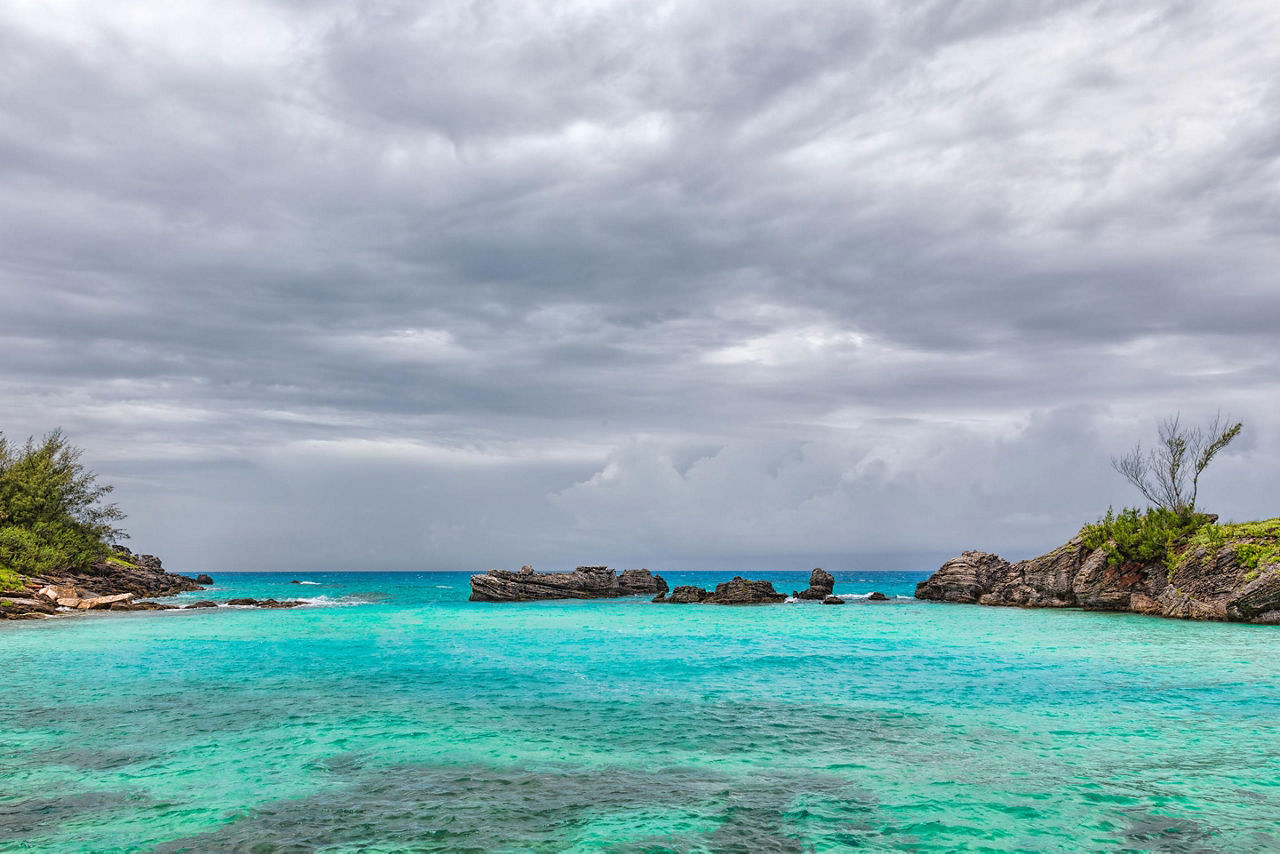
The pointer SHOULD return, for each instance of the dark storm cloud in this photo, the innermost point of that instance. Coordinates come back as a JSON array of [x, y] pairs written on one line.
[[482, 282]]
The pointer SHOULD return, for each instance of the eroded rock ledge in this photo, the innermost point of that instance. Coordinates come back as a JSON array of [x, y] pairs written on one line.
[[1206, 584], [585, 582]]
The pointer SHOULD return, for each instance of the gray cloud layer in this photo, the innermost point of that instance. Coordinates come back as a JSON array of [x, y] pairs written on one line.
[[390, 285]]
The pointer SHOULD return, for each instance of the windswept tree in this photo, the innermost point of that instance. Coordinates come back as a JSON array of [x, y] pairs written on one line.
[[52, 510], [1168, 475]]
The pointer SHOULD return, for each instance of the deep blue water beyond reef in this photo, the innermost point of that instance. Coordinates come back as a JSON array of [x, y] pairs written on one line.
[[392, 714]]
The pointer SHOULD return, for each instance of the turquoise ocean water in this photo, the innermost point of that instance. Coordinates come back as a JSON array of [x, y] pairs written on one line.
[[394, 715]]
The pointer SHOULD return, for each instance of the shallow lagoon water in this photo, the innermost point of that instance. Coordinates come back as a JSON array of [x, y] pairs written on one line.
[[394, 715]]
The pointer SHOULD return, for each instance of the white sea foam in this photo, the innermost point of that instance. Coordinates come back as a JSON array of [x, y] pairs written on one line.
[[329, 602], [309, 582]]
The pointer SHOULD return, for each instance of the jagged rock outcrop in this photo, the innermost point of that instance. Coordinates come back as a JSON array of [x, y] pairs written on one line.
[[821, 585], [1204, 584], [114, 584], [585, 582], [739, 591], [248, 602]]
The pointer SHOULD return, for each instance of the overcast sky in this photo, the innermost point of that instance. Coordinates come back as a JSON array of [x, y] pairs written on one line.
[[453, 285]]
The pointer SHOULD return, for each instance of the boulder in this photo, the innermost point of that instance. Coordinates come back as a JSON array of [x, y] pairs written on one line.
[[833, 600], [585, 582], [243, 601], [685, 594], [877, 596], [100, 603], [203, 579], [56, 593], [821, 584]]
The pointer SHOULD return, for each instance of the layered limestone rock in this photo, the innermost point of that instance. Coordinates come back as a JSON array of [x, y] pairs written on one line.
[[585, 582], [739, 591], [1204, 584], [821, 584]]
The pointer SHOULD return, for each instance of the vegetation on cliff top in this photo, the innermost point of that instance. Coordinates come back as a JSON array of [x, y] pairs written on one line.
[[52, 514], [1172, 530]]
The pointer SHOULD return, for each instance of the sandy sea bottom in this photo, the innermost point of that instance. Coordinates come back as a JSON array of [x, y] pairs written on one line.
[[393, 715]]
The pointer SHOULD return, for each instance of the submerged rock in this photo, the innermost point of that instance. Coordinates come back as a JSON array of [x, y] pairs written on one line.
[[1204, 583], [203, 603], [821, 584], [262, 603], [833, 600], [739, 591], [585, 582]]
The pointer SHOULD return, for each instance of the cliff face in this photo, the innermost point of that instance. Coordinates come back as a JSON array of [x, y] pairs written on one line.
[[1206, 584]]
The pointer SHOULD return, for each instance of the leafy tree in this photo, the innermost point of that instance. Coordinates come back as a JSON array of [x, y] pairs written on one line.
[[52, 515], [1168, 475]]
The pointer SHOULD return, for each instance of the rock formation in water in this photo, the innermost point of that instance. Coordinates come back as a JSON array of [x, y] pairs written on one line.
[[585, 582], [114, 584], [739, 591], [1218, 582], [833, 600], [821, 584], [877, 596]]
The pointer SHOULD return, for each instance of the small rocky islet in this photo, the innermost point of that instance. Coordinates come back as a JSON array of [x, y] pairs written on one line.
[[601, 582]]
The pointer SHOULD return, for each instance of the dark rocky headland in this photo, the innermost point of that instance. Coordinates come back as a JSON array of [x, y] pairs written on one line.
[[585, 582], [1222, 572]]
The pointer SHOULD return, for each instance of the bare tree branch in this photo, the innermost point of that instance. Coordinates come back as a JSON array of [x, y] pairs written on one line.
[[1161, 474]]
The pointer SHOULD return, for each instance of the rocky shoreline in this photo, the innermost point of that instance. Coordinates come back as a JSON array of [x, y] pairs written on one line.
[[122, 582], [1215, 583]]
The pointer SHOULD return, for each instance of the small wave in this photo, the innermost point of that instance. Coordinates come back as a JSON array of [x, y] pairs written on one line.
[[309, 582], [444, 586], [790, 600]]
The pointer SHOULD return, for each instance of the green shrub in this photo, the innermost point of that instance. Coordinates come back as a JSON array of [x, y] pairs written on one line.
[[1256, 544], [9, 580], [1134, 536], [51, 513]]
